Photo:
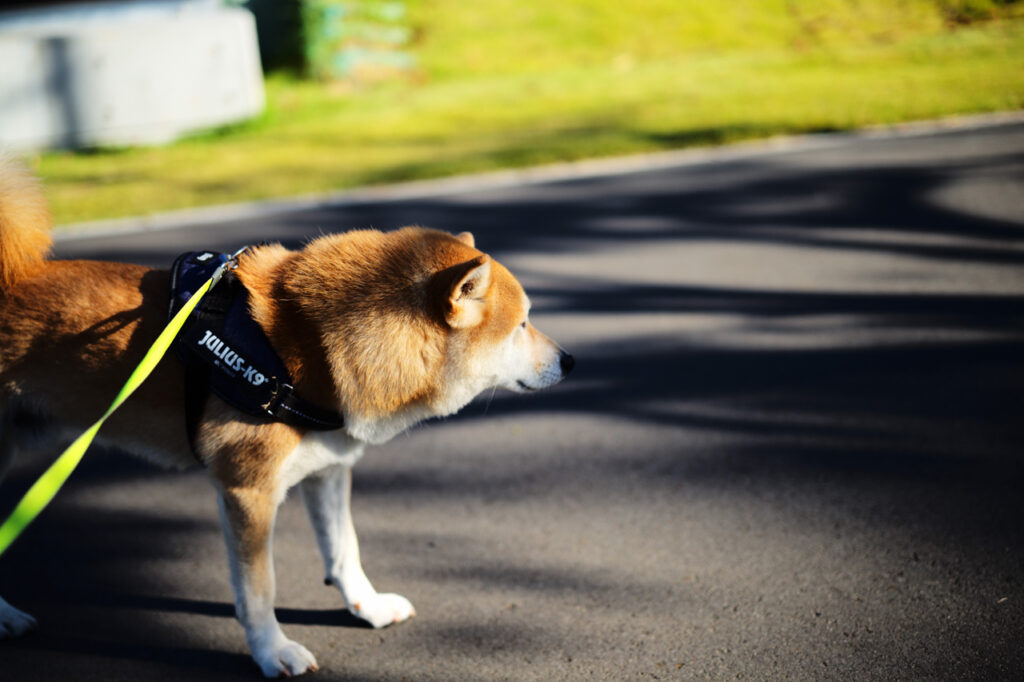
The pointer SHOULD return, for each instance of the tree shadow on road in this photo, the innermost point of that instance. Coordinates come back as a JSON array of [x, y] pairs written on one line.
[[911, 399]]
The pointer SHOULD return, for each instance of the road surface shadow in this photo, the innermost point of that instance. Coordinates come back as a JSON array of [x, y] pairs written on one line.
[[904, 410]]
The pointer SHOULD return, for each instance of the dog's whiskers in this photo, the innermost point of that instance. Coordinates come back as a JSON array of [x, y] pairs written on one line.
[[490, 398]]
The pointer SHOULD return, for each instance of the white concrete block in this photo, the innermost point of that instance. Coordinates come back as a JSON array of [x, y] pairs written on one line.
[[125, 73]]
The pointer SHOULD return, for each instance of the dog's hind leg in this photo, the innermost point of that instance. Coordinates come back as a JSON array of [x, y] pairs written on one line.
[[327, 495], [13, 623], [248, 515]]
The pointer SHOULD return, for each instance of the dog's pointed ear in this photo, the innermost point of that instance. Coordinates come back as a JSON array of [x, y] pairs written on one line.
[[466, 292], [466, 238]]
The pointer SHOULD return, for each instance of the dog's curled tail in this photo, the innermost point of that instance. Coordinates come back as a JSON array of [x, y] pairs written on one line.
[[24, 223]]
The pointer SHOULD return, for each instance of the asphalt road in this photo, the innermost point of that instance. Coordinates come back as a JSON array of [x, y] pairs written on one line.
[[791, 449]]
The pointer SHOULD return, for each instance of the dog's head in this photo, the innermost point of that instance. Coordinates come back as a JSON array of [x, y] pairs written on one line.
[[491, 340], [415, 323]]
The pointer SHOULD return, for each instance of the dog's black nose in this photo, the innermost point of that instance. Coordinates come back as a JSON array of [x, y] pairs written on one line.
[[567, 362]]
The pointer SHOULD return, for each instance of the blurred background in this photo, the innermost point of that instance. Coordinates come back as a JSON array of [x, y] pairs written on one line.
[[792, 447], [131, 107]]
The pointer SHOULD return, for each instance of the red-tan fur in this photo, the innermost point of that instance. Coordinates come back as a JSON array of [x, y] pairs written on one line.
[[87, 324], [380, 326], [24, 223]]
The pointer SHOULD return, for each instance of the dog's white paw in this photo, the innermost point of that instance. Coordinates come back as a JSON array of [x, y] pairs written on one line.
[[14, 623], [381, 610], [285, 658]]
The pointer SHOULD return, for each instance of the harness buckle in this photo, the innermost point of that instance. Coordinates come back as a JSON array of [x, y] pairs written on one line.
[[281, 390]]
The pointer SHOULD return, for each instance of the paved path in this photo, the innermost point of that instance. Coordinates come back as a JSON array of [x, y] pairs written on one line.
[[792, 448]]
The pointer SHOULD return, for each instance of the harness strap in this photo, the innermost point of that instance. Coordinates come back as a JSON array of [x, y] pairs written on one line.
[[227, 353], [289, 408], [197, 392], [197, 374]]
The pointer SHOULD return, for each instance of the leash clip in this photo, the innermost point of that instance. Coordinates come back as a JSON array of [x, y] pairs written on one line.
[[230, 264]]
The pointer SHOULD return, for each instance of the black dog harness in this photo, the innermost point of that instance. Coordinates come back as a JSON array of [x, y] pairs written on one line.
[[225, 351]]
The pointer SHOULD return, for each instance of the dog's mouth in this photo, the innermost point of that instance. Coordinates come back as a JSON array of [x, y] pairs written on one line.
[[523, 385]]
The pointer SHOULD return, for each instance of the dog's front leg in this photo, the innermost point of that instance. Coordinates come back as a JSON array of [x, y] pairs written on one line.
[[248, 519], [327, 496]]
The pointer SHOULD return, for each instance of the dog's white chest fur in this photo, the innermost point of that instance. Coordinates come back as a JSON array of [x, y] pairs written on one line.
[[318, 450]]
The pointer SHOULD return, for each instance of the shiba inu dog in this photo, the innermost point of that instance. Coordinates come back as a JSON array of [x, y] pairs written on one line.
[[386, 329]]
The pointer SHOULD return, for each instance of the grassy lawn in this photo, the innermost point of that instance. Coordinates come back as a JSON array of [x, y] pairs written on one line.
[[513, 83]]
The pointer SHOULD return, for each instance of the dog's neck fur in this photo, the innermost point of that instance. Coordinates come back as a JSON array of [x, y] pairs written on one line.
[[380, 356]]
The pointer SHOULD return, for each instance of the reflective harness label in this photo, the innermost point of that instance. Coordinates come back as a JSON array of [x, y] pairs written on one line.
[[227, 358]]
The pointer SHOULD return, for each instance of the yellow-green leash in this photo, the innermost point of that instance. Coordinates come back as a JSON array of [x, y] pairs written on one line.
[[44, 490]]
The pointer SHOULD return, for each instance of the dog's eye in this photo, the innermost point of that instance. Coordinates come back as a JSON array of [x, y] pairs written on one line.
[[523, 325]]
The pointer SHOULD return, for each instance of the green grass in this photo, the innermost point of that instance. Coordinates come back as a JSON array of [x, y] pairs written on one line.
[[512, 83]]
